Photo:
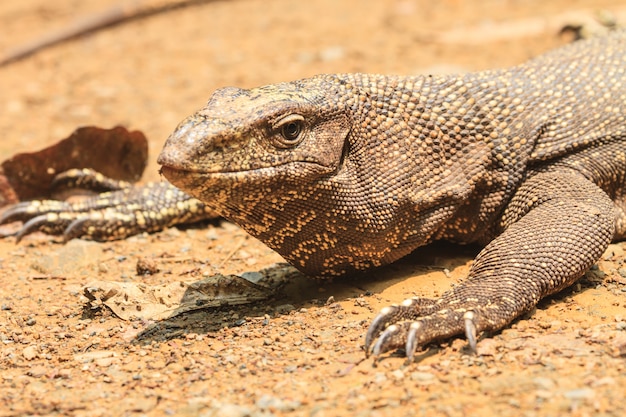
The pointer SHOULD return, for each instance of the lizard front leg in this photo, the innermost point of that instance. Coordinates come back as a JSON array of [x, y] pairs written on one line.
[[556, 226], [123, 211]]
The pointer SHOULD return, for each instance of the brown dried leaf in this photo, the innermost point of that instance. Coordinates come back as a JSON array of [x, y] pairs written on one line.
[[116, 153], [127, 299]]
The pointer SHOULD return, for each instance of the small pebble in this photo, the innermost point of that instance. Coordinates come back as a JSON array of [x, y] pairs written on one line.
[[544, 383], [37, 371], [147, 266], [30, 352], [398, 375], [580, 394], [285, 308], [422, 376], [232, 410]]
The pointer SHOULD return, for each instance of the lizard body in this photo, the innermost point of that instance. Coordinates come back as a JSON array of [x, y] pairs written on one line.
[[340, 173], [385, 164], [345, 172]]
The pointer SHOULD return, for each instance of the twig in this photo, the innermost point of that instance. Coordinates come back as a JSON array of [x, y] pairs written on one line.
[[232, 252], [118, 14]]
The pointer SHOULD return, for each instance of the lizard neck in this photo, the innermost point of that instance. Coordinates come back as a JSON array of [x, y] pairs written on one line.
[[421, 147]]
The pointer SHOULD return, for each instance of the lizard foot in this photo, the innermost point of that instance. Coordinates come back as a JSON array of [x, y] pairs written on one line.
[[87, 179], [56, 217], [116, 214], [39, 215], [417, 322], [60, 218]]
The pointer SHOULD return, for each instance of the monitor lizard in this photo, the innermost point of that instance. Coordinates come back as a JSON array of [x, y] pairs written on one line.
[[341, 173]]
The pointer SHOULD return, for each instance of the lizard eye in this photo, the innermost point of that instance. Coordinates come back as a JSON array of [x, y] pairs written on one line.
[[290, 128]]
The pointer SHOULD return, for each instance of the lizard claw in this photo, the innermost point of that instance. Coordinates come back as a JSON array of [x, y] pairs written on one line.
[[49, 223], [87, 179], [15, 213], [470, 329], [386, 340], [27, 210], [75, 229], [405, 334], [410, 325], [99, 226], [412, 340], [376, 328], [410, 308]]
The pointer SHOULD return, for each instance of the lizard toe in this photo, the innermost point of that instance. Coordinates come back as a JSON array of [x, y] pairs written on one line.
[[417, 334], [386, 333], [393, 337], [27, 210], [17, 212], [77, 228], [87, 179], [378, 325], [469, 319], [104, 225], [407, 334], [409, 309], [412, 340], [50, 223]]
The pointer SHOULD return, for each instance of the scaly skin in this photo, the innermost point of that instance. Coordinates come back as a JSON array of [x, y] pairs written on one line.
[[119, 211], [342, 173]]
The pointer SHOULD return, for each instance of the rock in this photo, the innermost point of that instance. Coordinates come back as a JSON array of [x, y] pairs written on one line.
[[231, 410], [398, 375], [268, 402], [76, 258], [37, 371], [580, 394], [284, 308], [544, 383], [94, 355], [30, 352], [423, 377], [146, 266]]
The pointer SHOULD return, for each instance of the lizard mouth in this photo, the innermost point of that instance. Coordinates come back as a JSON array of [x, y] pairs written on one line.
[[173, 174], [191, 181]]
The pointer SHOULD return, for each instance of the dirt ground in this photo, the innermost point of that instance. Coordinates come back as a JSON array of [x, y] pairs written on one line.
[[301, 353]]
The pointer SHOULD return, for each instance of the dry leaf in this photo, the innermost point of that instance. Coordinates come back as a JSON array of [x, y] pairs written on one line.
[[116, 153], [127, 300]]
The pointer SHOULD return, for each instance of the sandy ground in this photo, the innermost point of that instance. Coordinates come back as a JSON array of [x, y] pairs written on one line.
[[298, 354]]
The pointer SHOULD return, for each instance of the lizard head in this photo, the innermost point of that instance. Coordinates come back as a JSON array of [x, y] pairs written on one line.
[[263, 158], [261, 130]]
